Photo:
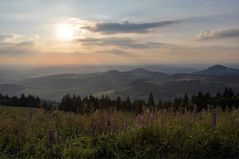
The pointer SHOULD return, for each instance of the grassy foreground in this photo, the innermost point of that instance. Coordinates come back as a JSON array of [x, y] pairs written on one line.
[[32, 133]]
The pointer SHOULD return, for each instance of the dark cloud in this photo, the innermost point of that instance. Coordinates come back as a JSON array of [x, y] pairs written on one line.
[[127, 27], [218, 34], [119, 42]]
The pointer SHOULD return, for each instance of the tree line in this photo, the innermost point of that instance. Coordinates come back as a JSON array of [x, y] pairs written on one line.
[[198, 102], [201, 101], [22, 101]]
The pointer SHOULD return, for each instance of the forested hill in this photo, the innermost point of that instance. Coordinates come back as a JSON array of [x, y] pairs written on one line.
[[137, 84]]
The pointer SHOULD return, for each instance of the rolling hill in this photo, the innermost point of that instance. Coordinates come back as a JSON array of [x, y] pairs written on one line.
[[137, 83], [218, 70]]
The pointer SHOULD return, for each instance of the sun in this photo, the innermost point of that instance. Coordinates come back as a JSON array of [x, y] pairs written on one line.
[[65, 31]]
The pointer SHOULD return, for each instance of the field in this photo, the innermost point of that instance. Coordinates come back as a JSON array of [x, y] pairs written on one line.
[[34, 133]]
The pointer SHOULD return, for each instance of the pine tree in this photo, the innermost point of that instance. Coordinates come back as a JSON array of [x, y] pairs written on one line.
[[151, 102]]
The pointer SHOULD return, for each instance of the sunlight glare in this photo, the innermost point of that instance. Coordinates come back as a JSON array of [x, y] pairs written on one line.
[[65, 31]]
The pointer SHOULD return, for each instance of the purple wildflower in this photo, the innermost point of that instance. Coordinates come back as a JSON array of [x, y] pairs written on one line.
[[151, 117], [214, 119], [93, 128], [57, 136], [164, 119], [50, 136], [100, 120], [107, 122], [125, 125], [141, 120], [113, 125]]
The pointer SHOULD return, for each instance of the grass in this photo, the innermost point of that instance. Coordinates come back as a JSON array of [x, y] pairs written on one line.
[[25, 134]]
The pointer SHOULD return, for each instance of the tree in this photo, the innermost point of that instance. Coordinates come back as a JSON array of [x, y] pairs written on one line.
[[118, 103], [151, 102], [177, 103]]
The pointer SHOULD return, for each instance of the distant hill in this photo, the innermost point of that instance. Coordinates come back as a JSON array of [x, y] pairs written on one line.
[[11, 89], [137, 83], [218, 70]]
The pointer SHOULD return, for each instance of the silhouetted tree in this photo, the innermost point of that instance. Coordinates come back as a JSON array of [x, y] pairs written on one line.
[[151, 102]]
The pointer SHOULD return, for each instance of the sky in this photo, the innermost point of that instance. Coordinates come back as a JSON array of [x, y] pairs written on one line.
[[103, 32]]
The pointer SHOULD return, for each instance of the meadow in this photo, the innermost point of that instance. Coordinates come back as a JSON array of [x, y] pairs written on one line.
[[35, 133]]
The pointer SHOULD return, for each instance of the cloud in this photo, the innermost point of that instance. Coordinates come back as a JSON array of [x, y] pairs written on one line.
[[17, 48], [26, 44], [3, 37], [218, 34], [14, 44], [119, 42], [127, 27], [112, 51], [10, 37]]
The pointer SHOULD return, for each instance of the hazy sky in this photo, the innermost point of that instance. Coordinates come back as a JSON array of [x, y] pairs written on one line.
[[119, 31]]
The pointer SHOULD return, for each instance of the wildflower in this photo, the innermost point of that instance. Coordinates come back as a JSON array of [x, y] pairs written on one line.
[[214, 119], [164, 119], [125, 125], [141, 120], [107, 121], [113, 125], [151, 117], [108, 124], [57, 135], [100, 120], [50, 136], [93, 128]]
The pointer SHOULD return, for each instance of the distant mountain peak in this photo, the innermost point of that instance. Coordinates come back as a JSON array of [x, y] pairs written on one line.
[[139, 70], [217, 67], [218, 70], [113, 71]]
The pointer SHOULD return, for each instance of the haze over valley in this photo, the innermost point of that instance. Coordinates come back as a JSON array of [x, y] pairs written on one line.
[[136, 83]]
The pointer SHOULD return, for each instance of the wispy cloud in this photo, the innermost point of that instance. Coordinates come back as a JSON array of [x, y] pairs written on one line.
[[15, 44], [3, 37], [128, 27], [114, 51], [218, 34], [12, 38], [120, 42]]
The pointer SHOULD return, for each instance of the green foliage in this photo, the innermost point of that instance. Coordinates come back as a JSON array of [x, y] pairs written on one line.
[[23, 101], [81, 147], [178, 135], [202, 101]]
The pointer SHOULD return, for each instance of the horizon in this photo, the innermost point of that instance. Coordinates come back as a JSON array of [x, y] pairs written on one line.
[[41, 33]]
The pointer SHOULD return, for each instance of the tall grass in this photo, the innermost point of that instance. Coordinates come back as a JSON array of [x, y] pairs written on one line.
[[33, 133]]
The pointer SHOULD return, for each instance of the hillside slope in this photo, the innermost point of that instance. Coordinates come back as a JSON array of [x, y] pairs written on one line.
[[137, 83]]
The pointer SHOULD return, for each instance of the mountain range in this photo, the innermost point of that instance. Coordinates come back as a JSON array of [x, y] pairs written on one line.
[[137, 83]]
